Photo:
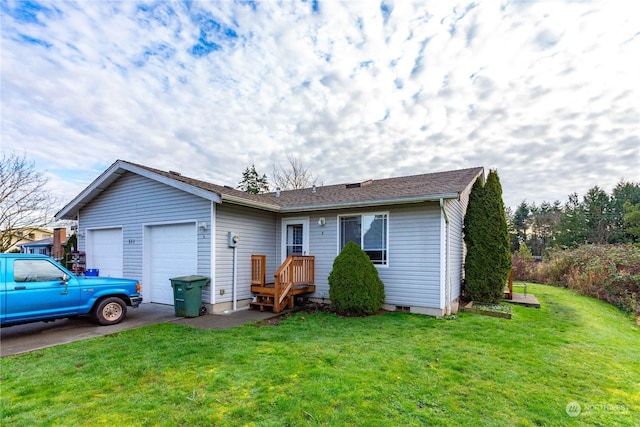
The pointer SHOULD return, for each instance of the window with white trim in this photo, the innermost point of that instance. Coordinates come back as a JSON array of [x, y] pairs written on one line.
[[369, 231]]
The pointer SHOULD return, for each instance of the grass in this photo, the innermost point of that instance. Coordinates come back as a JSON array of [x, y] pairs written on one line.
[[321, 369]]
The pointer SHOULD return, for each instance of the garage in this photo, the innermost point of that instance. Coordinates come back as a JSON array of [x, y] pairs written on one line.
[[172, 250], [104, 251]]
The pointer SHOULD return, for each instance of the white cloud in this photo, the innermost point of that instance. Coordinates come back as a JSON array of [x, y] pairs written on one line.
[[544, 91]]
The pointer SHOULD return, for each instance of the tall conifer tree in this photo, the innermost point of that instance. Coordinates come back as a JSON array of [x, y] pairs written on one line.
[[474, 224], [486, 236], [498, 248]]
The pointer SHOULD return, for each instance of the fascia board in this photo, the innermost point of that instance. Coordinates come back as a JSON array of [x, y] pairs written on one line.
[[367, 204]]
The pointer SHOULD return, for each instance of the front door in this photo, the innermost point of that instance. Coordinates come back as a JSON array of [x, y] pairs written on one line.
[[295, 237]]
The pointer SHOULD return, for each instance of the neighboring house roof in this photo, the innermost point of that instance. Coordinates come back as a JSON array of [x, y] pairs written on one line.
[[407, 189], [39, 243]]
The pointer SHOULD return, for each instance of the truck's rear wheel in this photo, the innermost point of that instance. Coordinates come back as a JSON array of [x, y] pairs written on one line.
[[110, 311]]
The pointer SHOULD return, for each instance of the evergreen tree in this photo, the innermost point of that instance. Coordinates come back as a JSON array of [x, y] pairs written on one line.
[[521, 221], [623, 193], [632, 220], [572, 229], [498, 249], [252, 182], [598, 215], [475, 266], [488, 260]]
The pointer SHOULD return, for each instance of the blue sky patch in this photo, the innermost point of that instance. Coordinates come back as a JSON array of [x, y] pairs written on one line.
[[32, 40], [26, 12], [204, 46], [250, 3], [213, 34], [161, 51], [459, 16], [160, 13], [386, 10], [418, 64]]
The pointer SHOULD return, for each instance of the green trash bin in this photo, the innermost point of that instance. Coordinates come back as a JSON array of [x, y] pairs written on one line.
[[187, 294]]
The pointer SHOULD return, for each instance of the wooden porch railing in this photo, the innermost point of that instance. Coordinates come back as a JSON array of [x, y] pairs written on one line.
[[258, 269], [295, 270]]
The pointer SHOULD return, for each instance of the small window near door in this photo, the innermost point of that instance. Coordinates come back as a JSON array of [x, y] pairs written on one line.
[[294, 239]]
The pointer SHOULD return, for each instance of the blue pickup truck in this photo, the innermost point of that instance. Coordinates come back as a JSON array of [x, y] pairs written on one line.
[[36, 288]]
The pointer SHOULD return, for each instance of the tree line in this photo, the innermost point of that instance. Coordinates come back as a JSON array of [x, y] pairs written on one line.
[[595, 218]]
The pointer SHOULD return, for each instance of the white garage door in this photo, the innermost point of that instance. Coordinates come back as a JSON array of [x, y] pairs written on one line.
[[104, 251], [172, 253]]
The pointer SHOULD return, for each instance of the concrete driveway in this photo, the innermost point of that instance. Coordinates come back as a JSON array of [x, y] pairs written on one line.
[[34, 336]]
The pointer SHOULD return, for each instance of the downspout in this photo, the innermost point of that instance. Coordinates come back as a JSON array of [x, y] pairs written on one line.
[[447, 282], [235, 276]]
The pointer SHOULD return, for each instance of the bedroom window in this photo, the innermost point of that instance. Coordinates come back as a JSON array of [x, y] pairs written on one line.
[[369, 231]]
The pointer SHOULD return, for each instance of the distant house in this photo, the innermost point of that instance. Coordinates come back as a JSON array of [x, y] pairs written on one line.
[[43, 247], [153, 225], [49, 246], [28, 236]]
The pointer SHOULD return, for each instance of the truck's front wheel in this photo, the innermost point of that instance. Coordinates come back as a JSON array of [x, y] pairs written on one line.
[[110, 311]]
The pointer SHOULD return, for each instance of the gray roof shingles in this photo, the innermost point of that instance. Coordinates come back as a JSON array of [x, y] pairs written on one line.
[[424, 186]]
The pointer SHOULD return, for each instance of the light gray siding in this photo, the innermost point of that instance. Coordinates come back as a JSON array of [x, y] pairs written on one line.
[[257, 232], [456, 210], [412, 277], [133, 201]]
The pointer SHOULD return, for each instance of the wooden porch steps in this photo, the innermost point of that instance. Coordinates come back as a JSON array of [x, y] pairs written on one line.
[[266, 296], [294, 277], [263, 302]]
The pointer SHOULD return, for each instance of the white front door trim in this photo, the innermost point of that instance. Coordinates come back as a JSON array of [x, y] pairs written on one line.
[[304, 221]]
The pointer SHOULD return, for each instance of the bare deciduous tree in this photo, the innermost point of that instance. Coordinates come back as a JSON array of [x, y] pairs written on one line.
[[25, 204], [292, 176]]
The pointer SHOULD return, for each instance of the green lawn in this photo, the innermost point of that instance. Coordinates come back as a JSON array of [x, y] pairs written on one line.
[[395, 369]]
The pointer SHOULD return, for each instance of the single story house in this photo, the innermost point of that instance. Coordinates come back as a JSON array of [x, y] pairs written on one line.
[[153, 225], [49, 246], [42, 246]]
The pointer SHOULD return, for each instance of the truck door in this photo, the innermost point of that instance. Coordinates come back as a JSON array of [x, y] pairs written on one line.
[[3, 300], [37, 289]]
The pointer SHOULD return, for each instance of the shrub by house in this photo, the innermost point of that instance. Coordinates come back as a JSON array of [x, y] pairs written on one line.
[[355, 287]]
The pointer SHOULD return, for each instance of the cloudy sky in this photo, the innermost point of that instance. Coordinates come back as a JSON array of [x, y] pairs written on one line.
[[546, 92]]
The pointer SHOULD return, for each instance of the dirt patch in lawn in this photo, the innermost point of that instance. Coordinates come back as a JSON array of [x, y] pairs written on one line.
[[310, 308]]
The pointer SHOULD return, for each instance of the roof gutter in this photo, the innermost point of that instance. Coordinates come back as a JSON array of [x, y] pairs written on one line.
[[369, 203], [250, 203]]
